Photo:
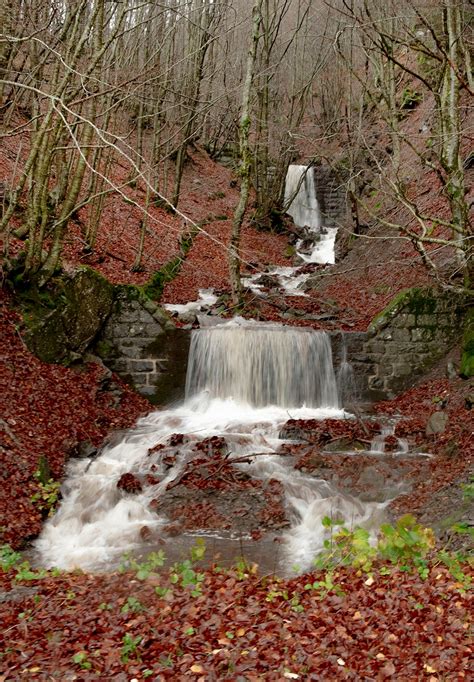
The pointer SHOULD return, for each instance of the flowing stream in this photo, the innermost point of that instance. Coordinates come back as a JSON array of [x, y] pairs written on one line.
[[319, 244], [244, 382]]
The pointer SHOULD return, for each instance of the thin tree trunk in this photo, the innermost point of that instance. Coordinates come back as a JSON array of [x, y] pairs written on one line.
[[245, 159]]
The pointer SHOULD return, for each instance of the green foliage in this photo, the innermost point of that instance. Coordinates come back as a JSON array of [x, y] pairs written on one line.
[[405, 544], [81, 660], [183, 574], [468, 490], [198, 551], [145, 568], [406, 541], [410, 99], [454, 563], [26, 573], [8, 558], [154, 288], [132, 604], [130, 647], [467, 359], [325, 586], [47, 497]]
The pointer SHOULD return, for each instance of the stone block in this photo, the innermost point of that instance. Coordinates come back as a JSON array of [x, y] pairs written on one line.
[[138, 379], [152, 329], [375, 346], [133, 352], [385, 369], [375, 382], [402, 369], [422, 334], [119, 366], [138, 330], [401, 335], [142, 365], [146, 391], [425, 320]]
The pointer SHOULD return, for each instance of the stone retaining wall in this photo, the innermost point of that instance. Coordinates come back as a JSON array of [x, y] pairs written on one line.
[[416, 330], [331, 195], [142, 345]]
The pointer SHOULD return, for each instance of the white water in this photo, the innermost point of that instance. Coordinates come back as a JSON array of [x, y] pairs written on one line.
[[378, 443], [206, 298], [230, 368], [263, 365], [300, 190]]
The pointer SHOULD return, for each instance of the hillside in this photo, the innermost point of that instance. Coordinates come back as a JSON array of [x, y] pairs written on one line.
[[304, 509]]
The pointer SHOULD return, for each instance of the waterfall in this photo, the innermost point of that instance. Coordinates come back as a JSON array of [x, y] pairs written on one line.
[[301, 191], [244, 381], [263, 365], [346, 380], [318, 246]]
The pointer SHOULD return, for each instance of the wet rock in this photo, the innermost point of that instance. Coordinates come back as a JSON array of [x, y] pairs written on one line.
[[269, 281], [187, 317], [83, 303], [437, 423], [306, 247], [129, 483], [84, 450]]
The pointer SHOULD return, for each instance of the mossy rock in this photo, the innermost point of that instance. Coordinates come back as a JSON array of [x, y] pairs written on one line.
[[467, 358], [83, 302]]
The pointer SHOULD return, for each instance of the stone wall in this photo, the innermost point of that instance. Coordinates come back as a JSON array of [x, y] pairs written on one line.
[[416, 330], [331, 195], [142, 345]]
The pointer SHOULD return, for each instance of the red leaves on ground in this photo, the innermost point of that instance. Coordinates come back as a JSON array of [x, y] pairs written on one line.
[[46, 410], [256, 628]]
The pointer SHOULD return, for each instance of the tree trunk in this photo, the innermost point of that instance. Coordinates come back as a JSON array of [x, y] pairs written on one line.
[[245, 160]]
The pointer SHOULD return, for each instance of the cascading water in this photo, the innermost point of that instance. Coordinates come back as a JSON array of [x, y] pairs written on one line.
[[319, 243], [346, 381], [243, 385], [300, 193], [263, 365]]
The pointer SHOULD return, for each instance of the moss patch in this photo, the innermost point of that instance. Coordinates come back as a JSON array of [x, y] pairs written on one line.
[[67, 321], [416, 301], [154, 288]]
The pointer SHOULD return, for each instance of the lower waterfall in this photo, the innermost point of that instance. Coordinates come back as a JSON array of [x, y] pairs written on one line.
[[263, 365], [243, 384]]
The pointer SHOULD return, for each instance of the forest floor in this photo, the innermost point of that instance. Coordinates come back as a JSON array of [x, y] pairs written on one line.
[[209, 623]]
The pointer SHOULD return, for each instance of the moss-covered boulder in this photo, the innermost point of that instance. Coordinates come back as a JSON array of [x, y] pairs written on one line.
[[82, 303]]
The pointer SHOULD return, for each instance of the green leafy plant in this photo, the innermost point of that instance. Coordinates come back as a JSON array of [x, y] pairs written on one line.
[[47, 497], [184, 574], [145, 568], [130, 647], [132, 604], [405, 544], [81, 660], [325, 586], [8, 558]]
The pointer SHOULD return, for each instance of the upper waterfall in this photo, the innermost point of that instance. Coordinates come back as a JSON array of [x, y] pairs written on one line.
[[263, 365], [300, 190]]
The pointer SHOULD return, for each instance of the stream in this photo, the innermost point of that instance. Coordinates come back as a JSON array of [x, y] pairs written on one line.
[[215, 466]]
